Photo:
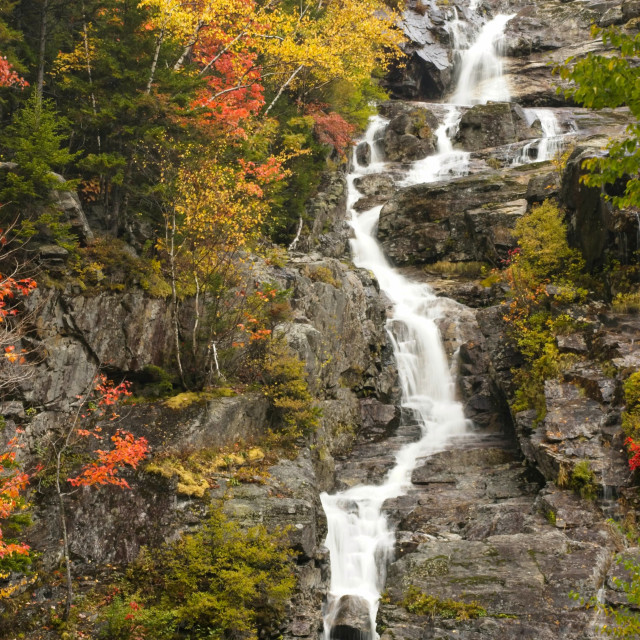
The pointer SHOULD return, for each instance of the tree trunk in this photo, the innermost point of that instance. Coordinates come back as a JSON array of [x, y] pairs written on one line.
[[85, 34], [154, 64], [283, 87], [42, 49], [189, 48], [170, 235]]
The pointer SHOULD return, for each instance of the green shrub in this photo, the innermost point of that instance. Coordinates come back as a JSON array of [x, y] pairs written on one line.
[[544, 259], [221, 582], [583, 480], [286, 387], [418, 602], [544, 250]]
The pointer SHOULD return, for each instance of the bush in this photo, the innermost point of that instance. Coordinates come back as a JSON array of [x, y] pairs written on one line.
[[583, 480], [288, 392], [221, 582], [543, 259]]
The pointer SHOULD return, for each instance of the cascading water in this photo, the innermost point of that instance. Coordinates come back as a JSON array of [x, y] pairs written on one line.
[[359, 540], [447, 163], [549, 145], [480, 79]]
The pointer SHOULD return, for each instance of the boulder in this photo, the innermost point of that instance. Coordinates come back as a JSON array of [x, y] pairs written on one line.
[[411, 136], [352, 620], [363, 154], [493, 125], [375, 184], [69, 203]]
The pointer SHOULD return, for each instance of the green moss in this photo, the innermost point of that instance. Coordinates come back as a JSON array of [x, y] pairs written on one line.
[[188, 398], [418, 602], [467, 269], [583, 480], [190, 484], [437, 566], [322, 274]]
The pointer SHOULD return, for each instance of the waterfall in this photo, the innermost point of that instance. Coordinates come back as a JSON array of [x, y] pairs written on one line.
[[545, 148], [359, 539], [447, 163], [480, 79]]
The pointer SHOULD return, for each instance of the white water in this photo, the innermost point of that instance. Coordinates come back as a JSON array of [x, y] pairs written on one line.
[[447, 163], [549, 145], [359, 540], [481, 78]]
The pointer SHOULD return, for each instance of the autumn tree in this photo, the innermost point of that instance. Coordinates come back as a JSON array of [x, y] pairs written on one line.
[[93, 408], [214, 216], [610, 81]]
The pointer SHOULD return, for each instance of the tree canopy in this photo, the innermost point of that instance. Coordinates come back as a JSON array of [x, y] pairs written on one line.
[[608, 81]]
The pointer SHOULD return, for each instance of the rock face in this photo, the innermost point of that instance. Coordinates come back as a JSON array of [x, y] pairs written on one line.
[[337, 328], [540, 36], [468, 219], [352, 620], [493, 125], [410, 135]]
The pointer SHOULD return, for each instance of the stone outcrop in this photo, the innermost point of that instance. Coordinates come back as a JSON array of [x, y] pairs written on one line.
[[467, 219], [352, 620], [494, 125], [410, 135], [540, 36]]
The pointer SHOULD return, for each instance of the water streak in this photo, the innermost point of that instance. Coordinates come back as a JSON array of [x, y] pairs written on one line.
[[359, 539], [547, 147], [481, 79]]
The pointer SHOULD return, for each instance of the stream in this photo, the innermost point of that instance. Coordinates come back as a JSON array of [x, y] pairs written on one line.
[[359, 538]]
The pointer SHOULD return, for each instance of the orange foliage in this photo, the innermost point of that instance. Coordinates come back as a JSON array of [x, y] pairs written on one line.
[[12, 482], [8, 77]]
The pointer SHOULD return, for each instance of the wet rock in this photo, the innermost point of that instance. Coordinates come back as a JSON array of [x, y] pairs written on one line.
[[492, 229], [411, 136], [378, 419], [542, 187], [588, 221], [464, 219], [352, 620], [363, 154], [493, 125], [375, 184]]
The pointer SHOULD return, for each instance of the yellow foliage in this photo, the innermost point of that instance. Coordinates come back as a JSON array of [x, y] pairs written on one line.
[[189, 483], [348, 41]]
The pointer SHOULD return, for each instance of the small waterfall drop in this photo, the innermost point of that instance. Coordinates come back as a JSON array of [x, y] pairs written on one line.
[[481, 78], [545, 148], [447, 163]]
